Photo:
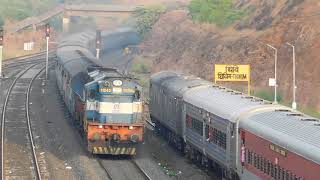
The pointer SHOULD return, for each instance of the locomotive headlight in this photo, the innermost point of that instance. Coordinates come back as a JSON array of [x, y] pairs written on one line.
[[100, 126], [106, 84], [117, 83], [130, 127]]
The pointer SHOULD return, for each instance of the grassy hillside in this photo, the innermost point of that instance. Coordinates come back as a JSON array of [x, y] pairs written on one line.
[[220, 12], [14, 10]]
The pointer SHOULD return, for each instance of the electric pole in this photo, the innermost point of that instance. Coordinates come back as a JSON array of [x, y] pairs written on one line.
[[294, 103], [1, 49], [275, 71], [47, 56]]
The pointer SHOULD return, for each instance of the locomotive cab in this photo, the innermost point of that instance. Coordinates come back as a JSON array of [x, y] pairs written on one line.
[[113, 116]]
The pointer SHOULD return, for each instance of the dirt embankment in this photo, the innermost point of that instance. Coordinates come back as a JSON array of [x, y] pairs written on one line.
[[177, 43]]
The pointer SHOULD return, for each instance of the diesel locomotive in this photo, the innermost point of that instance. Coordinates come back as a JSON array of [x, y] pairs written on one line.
[[236, 135], [106, 104]]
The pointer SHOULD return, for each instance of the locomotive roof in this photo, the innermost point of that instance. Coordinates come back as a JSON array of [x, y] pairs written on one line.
[[293, 131], [223, 102]]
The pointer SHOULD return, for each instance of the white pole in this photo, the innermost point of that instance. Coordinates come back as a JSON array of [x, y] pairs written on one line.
[[1, 49], [294, 103], [275, 71], [98, 53], [47, 57]]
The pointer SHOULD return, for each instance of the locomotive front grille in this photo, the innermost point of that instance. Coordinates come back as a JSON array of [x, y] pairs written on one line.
[[115, 150]]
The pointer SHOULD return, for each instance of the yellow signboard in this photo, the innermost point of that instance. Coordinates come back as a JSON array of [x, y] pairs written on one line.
[[227, 72], [230, 72]]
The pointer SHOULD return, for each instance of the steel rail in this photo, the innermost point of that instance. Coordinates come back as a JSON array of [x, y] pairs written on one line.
[[105, 169], [4, 109], [35, 159], [142, 171], [29, 56]]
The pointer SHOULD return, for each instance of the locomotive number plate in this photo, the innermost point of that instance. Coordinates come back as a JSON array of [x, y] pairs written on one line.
[[105, 90]]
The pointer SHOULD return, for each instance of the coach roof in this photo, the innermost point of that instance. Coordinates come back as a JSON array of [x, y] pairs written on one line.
[[159, 77], [222, 102], [293, 131], [177, 86]]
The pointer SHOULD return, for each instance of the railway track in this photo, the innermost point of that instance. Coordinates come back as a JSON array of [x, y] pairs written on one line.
[[120, 169], [26, 57], [18, 159]]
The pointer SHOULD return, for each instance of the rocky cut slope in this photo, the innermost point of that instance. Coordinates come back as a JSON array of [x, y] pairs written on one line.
[[178, 43]]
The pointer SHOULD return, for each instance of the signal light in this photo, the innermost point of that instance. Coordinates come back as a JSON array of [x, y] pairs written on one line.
[[1, 40], [98, 39], [1, 37], [47, 30]]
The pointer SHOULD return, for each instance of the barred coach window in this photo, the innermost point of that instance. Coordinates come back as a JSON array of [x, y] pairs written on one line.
[[215, 136], [194, 124]]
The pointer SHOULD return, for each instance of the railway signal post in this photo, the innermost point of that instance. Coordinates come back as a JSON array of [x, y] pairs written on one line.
[[1, 49], [98, 43], [47, 55]]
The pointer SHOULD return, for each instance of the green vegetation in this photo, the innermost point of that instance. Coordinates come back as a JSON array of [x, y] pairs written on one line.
[[146, 17], [140, 68], [15, 10], [56, 22], [267, 95], [310, 111], [220, 12]]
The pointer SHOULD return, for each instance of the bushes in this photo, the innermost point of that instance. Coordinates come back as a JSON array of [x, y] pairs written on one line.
[[220, 12], [146, 17]]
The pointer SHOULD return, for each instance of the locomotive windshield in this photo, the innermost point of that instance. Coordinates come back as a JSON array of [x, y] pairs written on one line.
[[117, 101]]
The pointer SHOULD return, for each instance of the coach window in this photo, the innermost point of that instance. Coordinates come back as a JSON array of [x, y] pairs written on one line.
[[283, 174], [272, 170], [248, 156], [254, 160], [258, 162], [197, 126], [280, 173], [269, 168], [265, 166], [262, 164]]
